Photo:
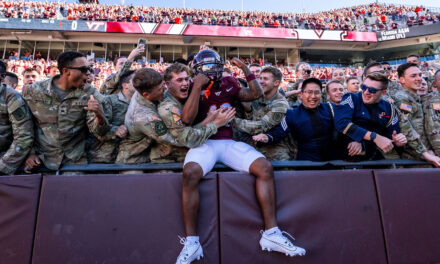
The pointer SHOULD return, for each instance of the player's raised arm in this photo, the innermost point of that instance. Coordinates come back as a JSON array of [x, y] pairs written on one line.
[[254, 91]]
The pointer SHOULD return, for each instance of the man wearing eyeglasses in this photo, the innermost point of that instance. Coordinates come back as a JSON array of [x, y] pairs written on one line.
[[303, 72], [409, 103], [65, 108], [368, 119], [311, 125]]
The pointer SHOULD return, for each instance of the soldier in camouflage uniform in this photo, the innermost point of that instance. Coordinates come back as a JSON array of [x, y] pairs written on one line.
[[303, 72], [436, 83], [431, 110], [410, 106], [170, 109], [104, 149], [16, 128], [110, 85], [145, 127], [65, 109], [393, 86], [268, 112]]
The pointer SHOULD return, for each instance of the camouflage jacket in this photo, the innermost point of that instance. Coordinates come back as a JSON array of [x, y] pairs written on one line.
[[145, 130], [110, 85], [16, 130], [410, 109], [393, 87], [103, 149], [293, 100], [191, 137], [267, 113], [61, 126], [431, 107]]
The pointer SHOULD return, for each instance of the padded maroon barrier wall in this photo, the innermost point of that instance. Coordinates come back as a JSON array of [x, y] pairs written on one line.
[[116, 219], [334, 215], [18, 208], [410, 205]]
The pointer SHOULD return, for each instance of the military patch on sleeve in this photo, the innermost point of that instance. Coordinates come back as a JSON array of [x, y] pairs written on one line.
[[20, 113], [176, 111], [348, 101], [177, 119], [277, 116], [155, 118], [160, 127], [390, 100], [395, 120], [405, 107]]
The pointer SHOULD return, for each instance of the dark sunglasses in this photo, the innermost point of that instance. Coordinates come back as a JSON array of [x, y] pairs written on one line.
[[387, 68], [370, 89], [307, 71], [82, 69]]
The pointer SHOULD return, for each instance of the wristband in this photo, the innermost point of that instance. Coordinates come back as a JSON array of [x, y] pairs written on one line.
[[373, 136], [250, 77]]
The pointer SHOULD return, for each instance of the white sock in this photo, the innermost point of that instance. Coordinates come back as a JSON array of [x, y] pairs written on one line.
[[192, 239], [272, 230]]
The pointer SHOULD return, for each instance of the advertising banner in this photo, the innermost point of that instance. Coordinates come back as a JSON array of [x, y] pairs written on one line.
[[185, 30], [52, 24], [408, 32], [240, 32]]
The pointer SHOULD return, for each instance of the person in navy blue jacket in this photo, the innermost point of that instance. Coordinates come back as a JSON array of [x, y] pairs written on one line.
[[368, 119], [311, 125]]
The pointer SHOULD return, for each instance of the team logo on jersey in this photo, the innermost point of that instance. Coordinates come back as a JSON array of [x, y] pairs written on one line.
[[228, 90], [225, 105], [212, 108], [218, 93]]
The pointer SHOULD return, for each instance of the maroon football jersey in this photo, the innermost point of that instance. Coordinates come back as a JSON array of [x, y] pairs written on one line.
[[223, 96]]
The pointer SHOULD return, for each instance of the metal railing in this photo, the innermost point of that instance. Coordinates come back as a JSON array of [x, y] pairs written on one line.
[[277, 165]]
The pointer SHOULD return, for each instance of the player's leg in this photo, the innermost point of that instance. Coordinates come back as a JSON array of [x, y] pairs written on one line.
[[243, 157], [262, 169], [198, 162]]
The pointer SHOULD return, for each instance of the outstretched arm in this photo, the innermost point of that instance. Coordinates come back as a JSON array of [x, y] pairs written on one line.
[[254, 91]]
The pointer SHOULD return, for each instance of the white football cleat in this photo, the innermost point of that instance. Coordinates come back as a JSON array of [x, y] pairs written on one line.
[[276, 241], [191, 251]]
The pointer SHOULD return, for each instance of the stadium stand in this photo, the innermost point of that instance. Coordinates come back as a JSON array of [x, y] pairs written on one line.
[[370, 17]]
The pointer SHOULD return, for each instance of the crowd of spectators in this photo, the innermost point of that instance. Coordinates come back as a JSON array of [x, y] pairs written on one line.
[[370, 17], [103, 69]]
